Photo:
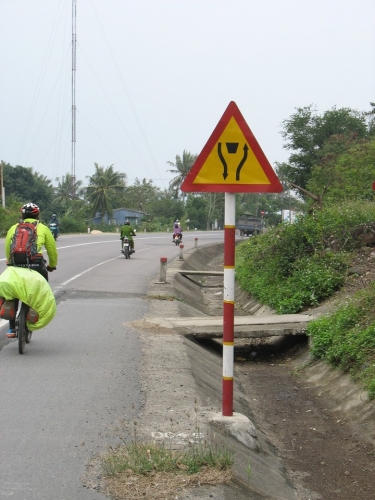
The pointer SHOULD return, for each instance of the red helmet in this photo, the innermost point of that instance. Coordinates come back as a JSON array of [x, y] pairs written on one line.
[[30, 210]]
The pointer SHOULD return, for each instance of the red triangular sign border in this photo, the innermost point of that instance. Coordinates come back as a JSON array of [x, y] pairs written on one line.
[[232, 111]]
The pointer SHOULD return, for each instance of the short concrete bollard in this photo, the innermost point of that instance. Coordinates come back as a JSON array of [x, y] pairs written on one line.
[[163, 269], [181, 257], [196, 242]]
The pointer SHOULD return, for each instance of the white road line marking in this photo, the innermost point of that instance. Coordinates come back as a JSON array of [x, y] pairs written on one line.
[[58, 288]]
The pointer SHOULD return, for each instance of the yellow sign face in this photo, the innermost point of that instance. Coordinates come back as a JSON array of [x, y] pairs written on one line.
[[231, 161]]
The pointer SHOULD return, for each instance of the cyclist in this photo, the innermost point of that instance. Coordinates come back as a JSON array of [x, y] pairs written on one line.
[[128, 231], [30, 213]]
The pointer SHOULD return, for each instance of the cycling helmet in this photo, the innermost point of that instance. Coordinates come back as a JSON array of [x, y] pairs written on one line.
[[30, 210]]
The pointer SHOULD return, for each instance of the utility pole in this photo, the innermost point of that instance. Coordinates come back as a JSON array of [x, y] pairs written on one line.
[[74, 48]]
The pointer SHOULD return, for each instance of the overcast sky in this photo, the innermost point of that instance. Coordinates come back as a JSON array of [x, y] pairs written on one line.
[[154, 77]]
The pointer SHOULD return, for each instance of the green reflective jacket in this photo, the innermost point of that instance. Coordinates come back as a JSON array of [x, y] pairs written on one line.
[[44, 239]]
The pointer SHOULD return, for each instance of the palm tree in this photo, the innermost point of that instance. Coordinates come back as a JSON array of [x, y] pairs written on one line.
[[67, 189], [181, 167], [102, 185]]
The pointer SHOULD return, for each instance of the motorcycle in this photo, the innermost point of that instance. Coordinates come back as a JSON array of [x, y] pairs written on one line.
[[126, 248], [54, 229], [177, 239]]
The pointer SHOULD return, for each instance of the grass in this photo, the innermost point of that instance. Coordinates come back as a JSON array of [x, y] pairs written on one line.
[[346, 339], [163, 297], [146, 458], [295, 266], [149, 470]]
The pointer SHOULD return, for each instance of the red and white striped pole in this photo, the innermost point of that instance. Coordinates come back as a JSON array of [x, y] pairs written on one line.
[[228, 306]]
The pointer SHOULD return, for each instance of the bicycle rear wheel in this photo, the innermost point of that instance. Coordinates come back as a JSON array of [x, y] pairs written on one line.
[[22, 328]]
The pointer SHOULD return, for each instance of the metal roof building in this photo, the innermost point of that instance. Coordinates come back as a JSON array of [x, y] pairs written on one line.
[[119, 216]]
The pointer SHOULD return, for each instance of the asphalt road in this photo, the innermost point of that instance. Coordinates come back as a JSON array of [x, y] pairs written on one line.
[[65, 399]]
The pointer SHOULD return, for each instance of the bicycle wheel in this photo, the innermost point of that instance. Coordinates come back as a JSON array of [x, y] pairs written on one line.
[[22, 329]]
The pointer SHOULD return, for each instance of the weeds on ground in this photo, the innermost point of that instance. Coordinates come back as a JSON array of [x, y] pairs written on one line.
[[153, 470], [163, 297], [146, 458], [346, 339]]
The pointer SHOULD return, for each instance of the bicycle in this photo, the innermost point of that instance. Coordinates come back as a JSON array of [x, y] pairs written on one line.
[[22, 332]]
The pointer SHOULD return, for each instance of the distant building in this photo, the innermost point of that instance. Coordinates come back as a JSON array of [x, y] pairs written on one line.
[[119, 216], [288, 216]]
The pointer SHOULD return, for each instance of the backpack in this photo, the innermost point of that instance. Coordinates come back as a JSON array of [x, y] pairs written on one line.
[[23, 247]]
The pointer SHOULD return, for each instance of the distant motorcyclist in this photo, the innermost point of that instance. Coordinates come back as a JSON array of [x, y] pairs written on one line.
[[128, 232], [177, 230], [55, 220]]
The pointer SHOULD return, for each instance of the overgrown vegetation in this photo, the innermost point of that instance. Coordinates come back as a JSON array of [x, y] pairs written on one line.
[[295, 266], [346, 339]]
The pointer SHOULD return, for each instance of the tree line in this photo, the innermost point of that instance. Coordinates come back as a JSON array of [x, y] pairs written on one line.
[[332, 157]]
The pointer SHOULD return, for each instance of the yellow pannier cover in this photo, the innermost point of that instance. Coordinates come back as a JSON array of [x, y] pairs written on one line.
[[30, 287]]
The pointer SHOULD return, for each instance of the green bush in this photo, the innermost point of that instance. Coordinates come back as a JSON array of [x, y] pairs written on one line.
[[155, 225], [295, 266], [346, 339], [8, 217], [69, 224]]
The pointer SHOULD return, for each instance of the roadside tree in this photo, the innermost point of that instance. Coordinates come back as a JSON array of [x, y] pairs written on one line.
[[24, 184], [103, 185], [181, 167], [306, 133]]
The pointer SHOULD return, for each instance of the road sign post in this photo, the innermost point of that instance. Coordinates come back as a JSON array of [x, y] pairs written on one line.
[[231, 162], [228, 304]]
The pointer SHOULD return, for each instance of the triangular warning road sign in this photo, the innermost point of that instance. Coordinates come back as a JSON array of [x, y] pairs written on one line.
[[232, 160]]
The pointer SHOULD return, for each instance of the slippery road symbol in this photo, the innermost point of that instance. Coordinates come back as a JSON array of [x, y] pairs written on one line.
[[232, 149]]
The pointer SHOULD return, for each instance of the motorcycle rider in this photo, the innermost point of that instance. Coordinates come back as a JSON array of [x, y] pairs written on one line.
[[177, 230], [128, 231], [55, 220], [30, 213]]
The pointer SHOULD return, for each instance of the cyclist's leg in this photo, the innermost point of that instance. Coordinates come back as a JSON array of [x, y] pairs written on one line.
[[12, 322], [40, 267]]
